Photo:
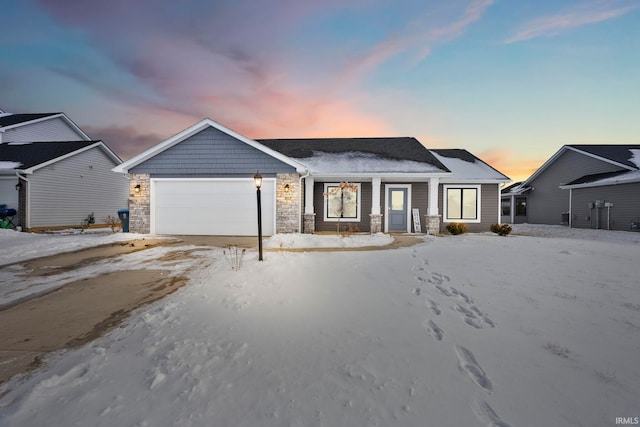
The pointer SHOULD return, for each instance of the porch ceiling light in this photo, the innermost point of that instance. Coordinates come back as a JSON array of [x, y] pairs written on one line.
[[257, 178]]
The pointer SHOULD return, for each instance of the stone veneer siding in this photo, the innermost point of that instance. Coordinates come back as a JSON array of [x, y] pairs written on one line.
[[287, 203], [139, 204]]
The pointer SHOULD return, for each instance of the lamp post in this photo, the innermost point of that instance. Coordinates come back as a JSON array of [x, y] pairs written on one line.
[[258, 181]]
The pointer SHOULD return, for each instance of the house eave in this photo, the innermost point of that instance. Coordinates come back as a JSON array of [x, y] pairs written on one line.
[[364, 176], [600, 184], [42, 119], [32, 169]]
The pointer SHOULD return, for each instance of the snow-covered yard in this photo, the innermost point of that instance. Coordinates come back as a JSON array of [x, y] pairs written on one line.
[[471, 330]]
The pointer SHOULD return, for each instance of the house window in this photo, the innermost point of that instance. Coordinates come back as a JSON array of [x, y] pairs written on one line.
[[521, 206], [342, 202], [462, 204]]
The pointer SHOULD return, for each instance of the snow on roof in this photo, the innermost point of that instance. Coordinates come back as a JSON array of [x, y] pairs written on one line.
[[635, 157], [5, 165], [359, 162], [464, 168]]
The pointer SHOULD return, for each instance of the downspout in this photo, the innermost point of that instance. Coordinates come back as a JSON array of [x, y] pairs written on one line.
[[27, 217], [570, 206], [301, 200]]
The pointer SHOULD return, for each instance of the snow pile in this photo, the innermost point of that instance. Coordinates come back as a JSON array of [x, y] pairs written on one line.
[[308, 241], [471, 330], [23, 246]]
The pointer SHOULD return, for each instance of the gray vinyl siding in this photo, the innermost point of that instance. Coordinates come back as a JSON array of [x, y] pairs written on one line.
[[365, 209], [626, 206], [47, 130], [489, 201], [64, 193], [546, 201], [211, 154]]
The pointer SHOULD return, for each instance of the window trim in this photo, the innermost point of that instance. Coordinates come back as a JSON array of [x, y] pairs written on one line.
[[326, 203], [445, 201]]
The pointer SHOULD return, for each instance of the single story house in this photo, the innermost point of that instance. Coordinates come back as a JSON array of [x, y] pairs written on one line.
[[200, 181], [583, 186], [60, 182]]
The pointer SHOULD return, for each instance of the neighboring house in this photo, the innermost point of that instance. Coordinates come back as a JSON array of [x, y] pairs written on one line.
[[54, 175], [584, 186], [200, 181]]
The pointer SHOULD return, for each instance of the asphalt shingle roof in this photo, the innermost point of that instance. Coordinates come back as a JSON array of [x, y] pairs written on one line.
[[14, 119], [35, 153], [617, 153], [397, 148]]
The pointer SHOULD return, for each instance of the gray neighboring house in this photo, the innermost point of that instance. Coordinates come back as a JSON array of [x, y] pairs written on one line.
[[200, 181], [54, 175], [582, 186]]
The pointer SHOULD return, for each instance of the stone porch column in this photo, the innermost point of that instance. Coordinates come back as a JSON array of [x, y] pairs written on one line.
[[140, 204]]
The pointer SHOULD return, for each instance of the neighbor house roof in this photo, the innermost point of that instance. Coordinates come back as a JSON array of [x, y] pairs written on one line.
[[465, 165], [27, 157], [14, 119], [516, 189], [359, 155], [619, 155], [9, 121]]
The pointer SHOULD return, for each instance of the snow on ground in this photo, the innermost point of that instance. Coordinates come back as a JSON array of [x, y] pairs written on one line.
[[471, 330], [289, 241]]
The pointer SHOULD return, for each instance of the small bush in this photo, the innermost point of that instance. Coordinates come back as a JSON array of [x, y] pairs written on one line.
[[457, 228], [501, 229], [234, 256], [113, 223]]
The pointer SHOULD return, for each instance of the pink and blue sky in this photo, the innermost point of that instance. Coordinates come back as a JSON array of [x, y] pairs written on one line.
[[511, 81]]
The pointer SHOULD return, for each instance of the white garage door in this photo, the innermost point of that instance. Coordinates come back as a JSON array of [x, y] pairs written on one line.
[[223, 207]]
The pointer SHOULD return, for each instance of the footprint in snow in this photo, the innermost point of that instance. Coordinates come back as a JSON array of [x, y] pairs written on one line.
[[417, 291], [434, 330], [487, 415], [469, 365], [444, 291], [434, 307]]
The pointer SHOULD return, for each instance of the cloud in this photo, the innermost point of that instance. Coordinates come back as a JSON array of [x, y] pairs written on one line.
[[125, 141], [514, 165], [576, 17]]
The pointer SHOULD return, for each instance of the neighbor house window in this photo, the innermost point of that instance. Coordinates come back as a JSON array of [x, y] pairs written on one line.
[[462, 203], [506, 207], [521, 206], [342, 202]]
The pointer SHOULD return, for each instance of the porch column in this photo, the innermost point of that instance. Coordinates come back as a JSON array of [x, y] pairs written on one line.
[[376, 217], [512, 208], [433, 218], [309, 225]]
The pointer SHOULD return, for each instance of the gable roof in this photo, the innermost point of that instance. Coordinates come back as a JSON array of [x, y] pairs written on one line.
[[192, 130], [359, 155], [465, 165], [619, 155], [10, 121], [28, 157]]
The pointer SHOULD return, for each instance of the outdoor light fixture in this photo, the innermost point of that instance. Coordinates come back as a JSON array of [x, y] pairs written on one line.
[[18, 186], [137, 188], [258, 181], [286, 188]]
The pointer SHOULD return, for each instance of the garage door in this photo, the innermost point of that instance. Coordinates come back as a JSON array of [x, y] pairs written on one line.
[[223, 207]]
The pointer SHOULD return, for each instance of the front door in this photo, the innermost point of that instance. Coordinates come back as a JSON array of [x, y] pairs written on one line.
[[397, 209]]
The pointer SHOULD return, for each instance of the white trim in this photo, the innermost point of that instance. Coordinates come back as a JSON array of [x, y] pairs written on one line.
[[358, 203], [153, 195], [386, 205], [478, 203], [194, 129], [432, 203], [375, 196]]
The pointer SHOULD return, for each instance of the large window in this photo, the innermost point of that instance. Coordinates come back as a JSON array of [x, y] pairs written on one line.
[[342, 201], [506, 207], [462, 204], [521, 206]]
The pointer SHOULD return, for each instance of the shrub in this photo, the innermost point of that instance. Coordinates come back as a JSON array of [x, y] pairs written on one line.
[[457, 228], [501, 229], [114, 223]]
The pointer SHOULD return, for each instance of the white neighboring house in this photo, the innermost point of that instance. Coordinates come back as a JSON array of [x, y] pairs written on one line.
[[54, 175]]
